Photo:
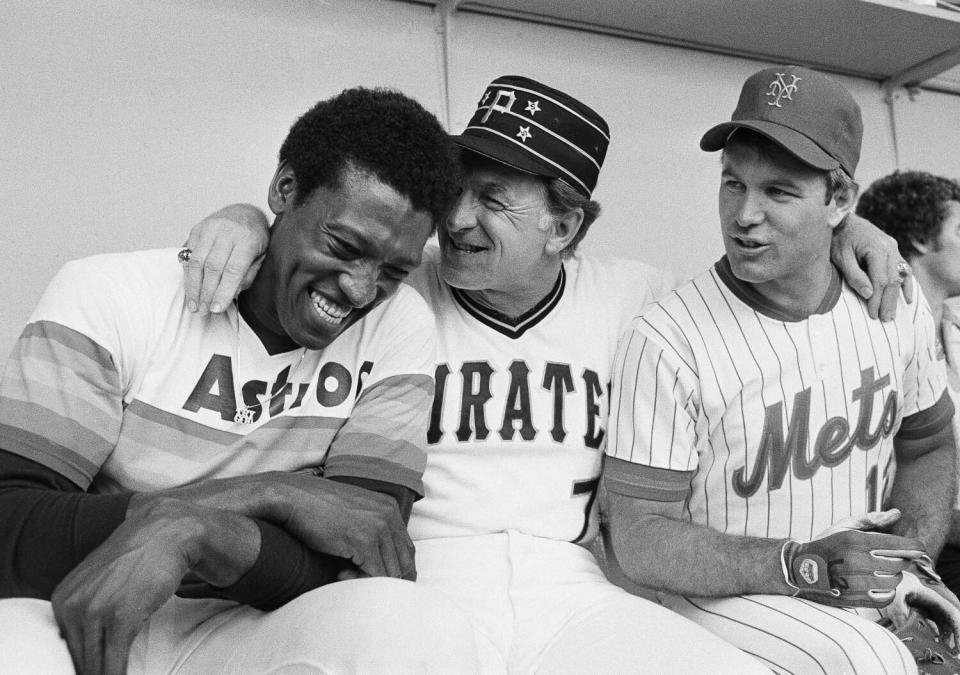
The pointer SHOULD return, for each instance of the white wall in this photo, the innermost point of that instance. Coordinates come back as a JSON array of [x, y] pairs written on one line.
[[122, 123]]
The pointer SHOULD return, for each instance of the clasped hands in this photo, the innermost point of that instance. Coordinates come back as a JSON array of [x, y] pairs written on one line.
[[207, 531]]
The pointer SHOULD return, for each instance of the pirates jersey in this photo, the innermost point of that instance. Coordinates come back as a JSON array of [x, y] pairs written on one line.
[[766, 426], [115, 385], [519, 415]]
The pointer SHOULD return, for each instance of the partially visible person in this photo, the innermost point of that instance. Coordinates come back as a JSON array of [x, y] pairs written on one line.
[[922, 212], [760, 419], [243, 461]]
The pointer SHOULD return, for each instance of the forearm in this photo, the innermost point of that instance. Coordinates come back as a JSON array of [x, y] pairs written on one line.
[[48, 526], [924, 491], [254, 496], [269, 496], [284, 569], [679, 557]]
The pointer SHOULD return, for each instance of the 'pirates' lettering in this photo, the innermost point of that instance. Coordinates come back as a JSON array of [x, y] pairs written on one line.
[[521, 406], [476, 393], [435, 433], [218, 373], [558, 379], [518, 404], [593, 437]]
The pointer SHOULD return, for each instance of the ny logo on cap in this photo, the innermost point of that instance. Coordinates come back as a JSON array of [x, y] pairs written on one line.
[[780, 90], [508, 95]]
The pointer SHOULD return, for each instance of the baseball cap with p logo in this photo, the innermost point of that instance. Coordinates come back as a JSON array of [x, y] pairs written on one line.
[[810, 115], [535, 128]]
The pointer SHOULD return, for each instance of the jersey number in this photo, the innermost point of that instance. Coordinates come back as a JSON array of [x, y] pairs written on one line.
[[581, 487]]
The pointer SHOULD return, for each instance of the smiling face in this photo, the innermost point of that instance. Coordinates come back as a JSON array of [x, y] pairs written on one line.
[[335, 255], [777, 224], [496, 234]]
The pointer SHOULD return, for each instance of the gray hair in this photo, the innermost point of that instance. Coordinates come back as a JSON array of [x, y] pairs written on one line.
[[561, 199]]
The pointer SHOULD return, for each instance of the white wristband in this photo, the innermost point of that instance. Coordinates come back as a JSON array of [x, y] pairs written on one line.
[[784, 566]]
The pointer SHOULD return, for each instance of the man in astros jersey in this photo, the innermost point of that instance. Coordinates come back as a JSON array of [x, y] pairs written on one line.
[[758, 406], [922, 212], [240, 460]]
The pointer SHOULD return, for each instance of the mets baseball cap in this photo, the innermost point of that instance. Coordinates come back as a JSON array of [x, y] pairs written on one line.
[[535, 128], [810, 115]]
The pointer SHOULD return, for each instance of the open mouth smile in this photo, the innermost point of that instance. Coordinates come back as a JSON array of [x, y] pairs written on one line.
[[465, 248], [328, 311]]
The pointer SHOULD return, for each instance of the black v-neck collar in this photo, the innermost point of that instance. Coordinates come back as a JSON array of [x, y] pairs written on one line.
[[513, 327]]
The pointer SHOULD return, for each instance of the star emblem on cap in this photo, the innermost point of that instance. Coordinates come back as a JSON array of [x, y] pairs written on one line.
[[524, 134], [533, 107]]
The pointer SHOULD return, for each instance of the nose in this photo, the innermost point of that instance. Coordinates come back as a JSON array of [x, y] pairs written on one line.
[[461, 216], [359, 284], [751, 210]]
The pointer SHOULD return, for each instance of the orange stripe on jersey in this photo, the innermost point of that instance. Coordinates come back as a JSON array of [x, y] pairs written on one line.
[[55, 378]]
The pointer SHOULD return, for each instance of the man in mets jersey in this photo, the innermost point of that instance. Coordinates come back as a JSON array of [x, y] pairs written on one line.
[[760, 419]]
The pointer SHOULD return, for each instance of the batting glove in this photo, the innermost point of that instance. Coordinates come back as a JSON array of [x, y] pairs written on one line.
[[849, 568]]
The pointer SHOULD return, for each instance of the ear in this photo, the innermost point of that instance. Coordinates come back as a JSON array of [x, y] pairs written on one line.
[[283, 189], [563, 230], [922, 247], [841, 205]]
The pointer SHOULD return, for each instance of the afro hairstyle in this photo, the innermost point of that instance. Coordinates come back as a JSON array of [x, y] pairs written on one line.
[[379, 131], [910, 206]]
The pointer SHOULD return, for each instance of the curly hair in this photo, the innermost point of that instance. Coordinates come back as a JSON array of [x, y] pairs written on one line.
[[380, 131], [910, 206]]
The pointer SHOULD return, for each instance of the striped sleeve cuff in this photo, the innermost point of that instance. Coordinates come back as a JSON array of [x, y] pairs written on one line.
[[927, 422], [646, 482]]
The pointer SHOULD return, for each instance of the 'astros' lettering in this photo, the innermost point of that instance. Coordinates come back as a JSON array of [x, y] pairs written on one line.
[[215, 389], [833, 444]]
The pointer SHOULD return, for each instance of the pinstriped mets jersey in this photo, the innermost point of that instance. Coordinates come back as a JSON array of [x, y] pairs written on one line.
[[763, 425], [519, 415], [114, 384]]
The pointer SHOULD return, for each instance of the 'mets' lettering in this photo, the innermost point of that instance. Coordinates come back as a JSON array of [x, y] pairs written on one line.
[[518, 416], [833, 444]]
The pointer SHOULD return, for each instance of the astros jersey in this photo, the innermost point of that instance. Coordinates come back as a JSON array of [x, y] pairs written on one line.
[[763, 425], [519, 415], [114, 384]]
